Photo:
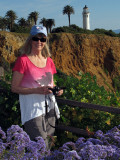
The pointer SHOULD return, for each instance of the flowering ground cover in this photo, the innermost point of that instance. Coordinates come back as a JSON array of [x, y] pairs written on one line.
[[15, 144]]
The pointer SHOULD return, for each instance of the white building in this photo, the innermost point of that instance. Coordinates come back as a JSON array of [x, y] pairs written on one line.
[[86, 18]]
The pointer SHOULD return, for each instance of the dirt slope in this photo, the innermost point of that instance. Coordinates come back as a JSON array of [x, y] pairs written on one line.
[[99, 55]]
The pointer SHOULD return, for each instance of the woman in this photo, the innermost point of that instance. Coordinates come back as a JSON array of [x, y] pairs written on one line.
[[32, 77]]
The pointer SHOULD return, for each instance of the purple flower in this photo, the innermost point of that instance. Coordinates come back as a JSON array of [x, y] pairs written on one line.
[[98, 134], [118, 126], [96, 152], [116, 155], [112, 137], [58, 155], [72, 155], [2, 133], [113, 130], [37, 149], [2, 148], [41, 144], [68, 146], [17, 133], [95, 141], [79, 141], [19, 146], [17, 141]]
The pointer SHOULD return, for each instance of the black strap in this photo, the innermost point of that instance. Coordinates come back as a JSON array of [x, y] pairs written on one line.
[[46, 107]]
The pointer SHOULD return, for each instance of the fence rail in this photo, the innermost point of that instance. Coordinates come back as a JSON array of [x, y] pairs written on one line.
[[83, 105], [88, 105], [73, 103]]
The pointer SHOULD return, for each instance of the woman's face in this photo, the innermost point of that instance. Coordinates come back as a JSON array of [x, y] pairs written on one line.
[[38, 42]]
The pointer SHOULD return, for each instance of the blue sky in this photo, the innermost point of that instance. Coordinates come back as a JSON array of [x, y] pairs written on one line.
[[103, 13]]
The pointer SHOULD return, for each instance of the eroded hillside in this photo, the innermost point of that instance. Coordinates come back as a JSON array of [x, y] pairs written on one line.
[[10, 44], [74, 53], [99, 55]]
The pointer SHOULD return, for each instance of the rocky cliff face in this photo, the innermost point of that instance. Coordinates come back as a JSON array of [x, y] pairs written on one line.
[[99, 55], [74, 53], [9, 45]]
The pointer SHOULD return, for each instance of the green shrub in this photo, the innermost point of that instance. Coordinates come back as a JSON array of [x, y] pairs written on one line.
[[71, 29], [75, 29], [19, 29], [86, 90], [9, 104]]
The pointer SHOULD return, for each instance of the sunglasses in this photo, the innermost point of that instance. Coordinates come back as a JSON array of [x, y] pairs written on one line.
[[37, 39]]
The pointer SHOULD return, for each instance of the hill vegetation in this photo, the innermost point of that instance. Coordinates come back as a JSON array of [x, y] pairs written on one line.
[[75, 29]]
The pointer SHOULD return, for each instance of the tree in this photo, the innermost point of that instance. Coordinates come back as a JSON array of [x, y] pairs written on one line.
[[22, 22], [33, 16], [68, 10], [3, 23], [30, 20], [11, 17], [50, 23], [43, 21]]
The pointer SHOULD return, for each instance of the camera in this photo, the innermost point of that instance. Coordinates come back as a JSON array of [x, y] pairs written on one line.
[[56, 89]]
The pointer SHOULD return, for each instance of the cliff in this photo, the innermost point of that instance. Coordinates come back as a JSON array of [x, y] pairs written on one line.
[[74, 53], [10, 44]]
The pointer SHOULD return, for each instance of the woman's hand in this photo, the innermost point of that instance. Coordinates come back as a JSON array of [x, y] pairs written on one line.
[[43, 90], [60, 92]]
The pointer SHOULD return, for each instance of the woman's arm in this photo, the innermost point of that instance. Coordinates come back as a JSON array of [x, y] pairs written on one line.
[[16, 88]]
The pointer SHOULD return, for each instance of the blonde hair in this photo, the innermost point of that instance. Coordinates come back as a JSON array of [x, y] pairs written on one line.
[[27, 47]]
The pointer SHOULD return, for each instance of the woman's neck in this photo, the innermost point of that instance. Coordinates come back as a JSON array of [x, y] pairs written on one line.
[[36, 54], [37, 59]]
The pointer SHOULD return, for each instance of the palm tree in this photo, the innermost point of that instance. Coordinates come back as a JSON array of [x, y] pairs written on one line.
[[22, 22], [34, 16], [43, 21], [68, 10], [30, 20], [11, 17], [50, 23]]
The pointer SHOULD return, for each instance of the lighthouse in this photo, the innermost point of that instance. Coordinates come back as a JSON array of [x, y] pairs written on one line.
[[86, 18]]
